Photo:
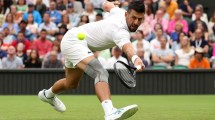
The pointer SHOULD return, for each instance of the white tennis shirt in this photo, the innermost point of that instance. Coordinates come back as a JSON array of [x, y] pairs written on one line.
[[109, 32]]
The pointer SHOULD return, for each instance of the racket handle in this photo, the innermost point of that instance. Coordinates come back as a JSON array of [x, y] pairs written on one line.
[[138, 67]]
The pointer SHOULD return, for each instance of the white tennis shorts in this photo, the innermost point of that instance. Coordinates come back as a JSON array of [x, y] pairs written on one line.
[[73, 49]]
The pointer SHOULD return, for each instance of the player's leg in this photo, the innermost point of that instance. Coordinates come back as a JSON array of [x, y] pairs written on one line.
[[73, 76], [93, 68]]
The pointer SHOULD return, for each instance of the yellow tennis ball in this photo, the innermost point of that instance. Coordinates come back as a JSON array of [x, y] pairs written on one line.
[[81, 36]]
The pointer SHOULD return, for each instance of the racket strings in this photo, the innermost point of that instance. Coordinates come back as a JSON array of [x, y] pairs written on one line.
[[125, 73]]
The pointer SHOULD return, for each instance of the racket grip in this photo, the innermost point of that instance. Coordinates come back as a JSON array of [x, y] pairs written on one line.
[[138, 67]]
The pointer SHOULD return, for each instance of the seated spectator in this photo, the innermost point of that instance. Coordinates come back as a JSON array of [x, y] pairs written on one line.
[[159, 19], [199, 42], [21, 6], [9, 23], [101, 59], [53, 62], [28, 34], [193, 24], [35, 13], [163, 55], [12, 61], [175, 45], [145, 45], [21, 39], [33, 60], [55, 15], [185, 53], [187, 7], [204, 31], [166, 16], [140, 53], [199, 61], [90, 12], [56, 47], [62, 29], [171, 7], [78, 7], [149, 12], [8, 38], [211, 24], [49, 26], [84, 20], [16, 15], [99, 17], [155, 43], [40, 7], [61, 7], [66, 22], [203, 16], [152, 35], [116, 52], [178, 19], [31, 25], [178, 29], [2, 52], [19, 52], [42, 45], [74, 17]]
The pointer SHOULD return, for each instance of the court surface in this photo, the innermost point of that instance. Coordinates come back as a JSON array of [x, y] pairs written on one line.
[[85, 107]]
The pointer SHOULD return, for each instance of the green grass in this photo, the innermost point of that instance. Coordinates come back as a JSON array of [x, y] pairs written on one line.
[[195, 107]]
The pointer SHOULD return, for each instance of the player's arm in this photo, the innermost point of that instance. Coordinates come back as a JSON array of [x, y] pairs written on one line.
[[129, 51]]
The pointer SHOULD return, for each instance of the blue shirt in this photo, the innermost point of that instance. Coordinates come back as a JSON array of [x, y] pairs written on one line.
[[15, 27], [36, 15], [2, 54], [174, 36], [55, 14]]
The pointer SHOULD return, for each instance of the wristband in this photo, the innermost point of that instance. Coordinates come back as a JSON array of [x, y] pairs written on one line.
[[134, 57]]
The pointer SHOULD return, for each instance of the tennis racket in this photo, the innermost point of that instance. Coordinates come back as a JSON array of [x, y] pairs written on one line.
[[126, 74]]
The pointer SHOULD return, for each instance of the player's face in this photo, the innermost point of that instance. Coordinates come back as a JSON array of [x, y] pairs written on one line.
[[134, 19]]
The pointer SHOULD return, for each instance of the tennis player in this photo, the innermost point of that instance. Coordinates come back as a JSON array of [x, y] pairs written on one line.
[[79, 58]]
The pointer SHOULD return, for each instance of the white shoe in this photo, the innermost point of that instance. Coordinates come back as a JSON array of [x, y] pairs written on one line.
[[54, 102], [122, 113]]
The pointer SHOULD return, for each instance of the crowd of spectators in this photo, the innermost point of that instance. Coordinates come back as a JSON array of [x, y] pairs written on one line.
[[173, 34]]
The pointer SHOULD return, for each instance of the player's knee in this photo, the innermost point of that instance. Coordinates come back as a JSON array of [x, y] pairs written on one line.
[[102, 76], [95, 70]]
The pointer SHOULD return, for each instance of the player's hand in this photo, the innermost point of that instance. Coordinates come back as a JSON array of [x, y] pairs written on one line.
[[139, 64]]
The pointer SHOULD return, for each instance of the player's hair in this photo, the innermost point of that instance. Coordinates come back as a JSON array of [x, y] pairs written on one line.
[[137, 6]]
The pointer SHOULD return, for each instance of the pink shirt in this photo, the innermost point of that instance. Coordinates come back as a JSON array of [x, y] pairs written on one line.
[[214, 50], [172, 23], [163, 22], [42, 47]]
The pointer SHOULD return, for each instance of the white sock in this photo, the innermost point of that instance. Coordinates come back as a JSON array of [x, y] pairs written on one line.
[[107, 106], [49, 93]]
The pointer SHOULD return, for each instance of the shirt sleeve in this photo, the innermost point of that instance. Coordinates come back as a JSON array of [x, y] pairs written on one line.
[[116, 10], [121, 38]]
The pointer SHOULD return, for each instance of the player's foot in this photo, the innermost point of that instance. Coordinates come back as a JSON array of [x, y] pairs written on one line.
[[54, 101], [122, 113]]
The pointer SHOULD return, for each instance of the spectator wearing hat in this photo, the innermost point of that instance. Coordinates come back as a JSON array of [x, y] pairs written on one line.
[[55, 15], [74, 17], [36, 14], [78, 7], [199, 61], [12, 61]]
